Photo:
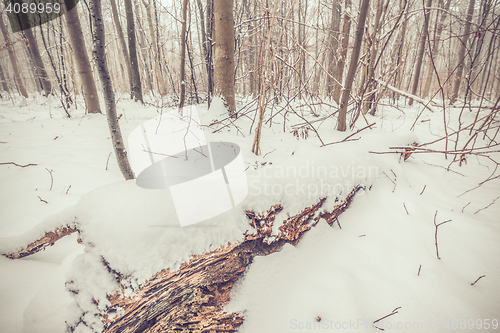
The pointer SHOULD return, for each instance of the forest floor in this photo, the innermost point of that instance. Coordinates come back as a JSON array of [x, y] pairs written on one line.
[[382, 261]]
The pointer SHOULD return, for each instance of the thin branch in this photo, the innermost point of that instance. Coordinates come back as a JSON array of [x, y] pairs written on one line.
[[51, 178], [19, 165], [436, 233], [479, 278], [488, 205], [390, 314]]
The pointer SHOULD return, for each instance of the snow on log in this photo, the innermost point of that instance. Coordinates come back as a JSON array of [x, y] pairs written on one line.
[[192, 298], [47, 240], [41, 236]]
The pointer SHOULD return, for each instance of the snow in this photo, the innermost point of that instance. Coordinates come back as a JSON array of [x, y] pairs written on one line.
[[350, 276]]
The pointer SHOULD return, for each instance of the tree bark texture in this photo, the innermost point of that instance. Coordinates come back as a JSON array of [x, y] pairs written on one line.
[[224, 52], [99, 53], [192, 298]]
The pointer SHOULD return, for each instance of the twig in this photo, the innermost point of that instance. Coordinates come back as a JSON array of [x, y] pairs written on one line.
[[423, 189], [419, 268], [465, 206], [51, 178], [347, 137], [436, 233], [406, 209], [18, 165], [488, 205], [268, 153], [42, 200], [68, 189], [479, 278], [389, 178], [108, 161], [390, 314]]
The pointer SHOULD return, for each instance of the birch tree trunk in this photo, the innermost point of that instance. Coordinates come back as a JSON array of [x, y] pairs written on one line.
[[99, 52], [224, 52], [421, 49], [82, 59], [134, 62], [346, 28], [12, 56], [183, 54], [461, 52], [358, 39]]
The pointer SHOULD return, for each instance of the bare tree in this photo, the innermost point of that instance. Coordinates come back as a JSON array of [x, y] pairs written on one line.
[[461, 52], [123, 45], [13, 59], [346, 91], [99, 52], [81, 58], [421, 49], [37, 58], [134, 62], [162, 87], [224, 52], [183, 53], [435, 47], [334, 42], [346, 28]]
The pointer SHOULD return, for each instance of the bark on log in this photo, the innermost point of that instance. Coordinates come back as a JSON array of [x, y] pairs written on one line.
[[192, 298], [47, 240]]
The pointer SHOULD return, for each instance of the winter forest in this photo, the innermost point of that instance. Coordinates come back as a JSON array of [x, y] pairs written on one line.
[[249, 166]]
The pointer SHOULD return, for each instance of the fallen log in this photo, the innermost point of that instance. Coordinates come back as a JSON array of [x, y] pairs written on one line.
[[192, 298], [41, 244]]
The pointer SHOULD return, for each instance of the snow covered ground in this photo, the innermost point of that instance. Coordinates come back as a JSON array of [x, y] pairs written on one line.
[[383, 258]]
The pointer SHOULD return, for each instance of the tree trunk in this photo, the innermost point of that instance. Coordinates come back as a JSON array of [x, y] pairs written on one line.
[[99, 53], [123, 45], [134, 63], [461, 53], [224, 52], [162, 86], [435, 47], [346, 91], [183, 54], [12, 56], [346, 28], [371, 83], [39, 65], [192, 298], [334, 42], [421, 49], [147, 66], [5, 87], [82, 60]]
